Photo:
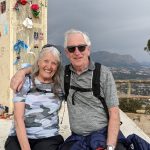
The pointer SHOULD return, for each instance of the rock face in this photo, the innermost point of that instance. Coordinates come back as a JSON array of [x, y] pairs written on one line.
[[114, 59]]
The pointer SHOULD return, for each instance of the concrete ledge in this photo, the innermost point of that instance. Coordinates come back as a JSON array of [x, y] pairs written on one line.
[[129, 127]]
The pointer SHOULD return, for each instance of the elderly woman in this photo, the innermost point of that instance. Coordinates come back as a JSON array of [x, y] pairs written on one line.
[[36, 106]]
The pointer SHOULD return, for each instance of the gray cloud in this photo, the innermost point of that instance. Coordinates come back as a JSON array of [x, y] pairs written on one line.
[[121, 26]]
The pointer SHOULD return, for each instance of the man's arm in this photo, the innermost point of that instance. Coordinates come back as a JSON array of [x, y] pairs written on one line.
[[111, 98], [17, 80], [113, 126]]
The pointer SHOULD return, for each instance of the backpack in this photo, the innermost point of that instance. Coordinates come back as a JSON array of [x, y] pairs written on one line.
[[95, 85]]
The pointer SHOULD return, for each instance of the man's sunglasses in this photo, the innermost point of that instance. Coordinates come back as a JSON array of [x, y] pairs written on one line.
[[72, 49]]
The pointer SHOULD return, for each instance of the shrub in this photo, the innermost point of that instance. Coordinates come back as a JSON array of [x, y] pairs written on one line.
[[131, 105]]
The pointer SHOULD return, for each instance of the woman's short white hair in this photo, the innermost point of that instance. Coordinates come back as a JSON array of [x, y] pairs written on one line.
[[74, 31], [55, 52]]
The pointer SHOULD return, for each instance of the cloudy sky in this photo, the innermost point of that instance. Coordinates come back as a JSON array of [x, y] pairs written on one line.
[[119, 26]]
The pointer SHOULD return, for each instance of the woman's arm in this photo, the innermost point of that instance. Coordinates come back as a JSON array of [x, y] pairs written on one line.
[[20, 126], [18, 79]]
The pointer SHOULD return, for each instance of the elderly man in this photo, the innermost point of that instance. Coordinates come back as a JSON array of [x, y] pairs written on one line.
[[90, 126]]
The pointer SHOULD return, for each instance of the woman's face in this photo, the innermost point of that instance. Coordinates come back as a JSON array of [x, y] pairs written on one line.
[[48, 65]]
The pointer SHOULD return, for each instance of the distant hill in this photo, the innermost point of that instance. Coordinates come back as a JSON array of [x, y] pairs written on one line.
[[146, 64], [109, 59], [114, 59]]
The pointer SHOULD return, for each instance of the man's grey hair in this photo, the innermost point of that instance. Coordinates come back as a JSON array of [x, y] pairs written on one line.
[[74, 31]]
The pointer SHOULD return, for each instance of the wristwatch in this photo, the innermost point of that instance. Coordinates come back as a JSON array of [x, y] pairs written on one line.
[[110, 147]]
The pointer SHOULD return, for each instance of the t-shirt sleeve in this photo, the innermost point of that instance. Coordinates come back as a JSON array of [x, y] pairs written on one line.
[[21, 95], [109, 88]]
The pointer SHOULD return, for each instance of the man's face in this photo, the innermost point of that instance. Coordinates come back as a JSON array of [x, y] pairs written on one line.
[[77, 51]]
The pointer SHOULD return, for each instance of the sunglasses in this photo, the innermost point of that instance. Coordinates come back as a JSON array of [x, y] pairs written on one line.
[[72, 49]]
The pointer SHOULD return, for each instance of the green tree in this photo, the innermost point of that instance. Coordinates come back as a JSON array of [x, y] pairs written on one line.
[[147, 48]]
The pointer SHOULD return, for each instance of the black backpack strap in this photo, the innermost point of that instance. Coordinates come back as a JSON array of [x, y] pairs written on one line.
[[67, 76], [96, 87], [80, 89], [96, 80]]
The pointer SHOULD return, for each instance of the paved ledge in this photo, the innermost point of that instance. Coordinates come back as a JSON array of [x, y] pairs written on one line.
[[4, 129]]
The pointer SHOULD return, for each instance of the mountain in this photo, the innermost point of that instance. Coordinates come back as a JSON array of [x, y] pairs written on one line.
[[108, 59], [114, 59], [146, 64]]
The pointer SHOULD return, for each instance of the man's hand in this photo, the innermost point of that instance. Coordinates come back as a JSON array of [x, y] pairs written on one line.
[[100, 148], [17, 80]]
